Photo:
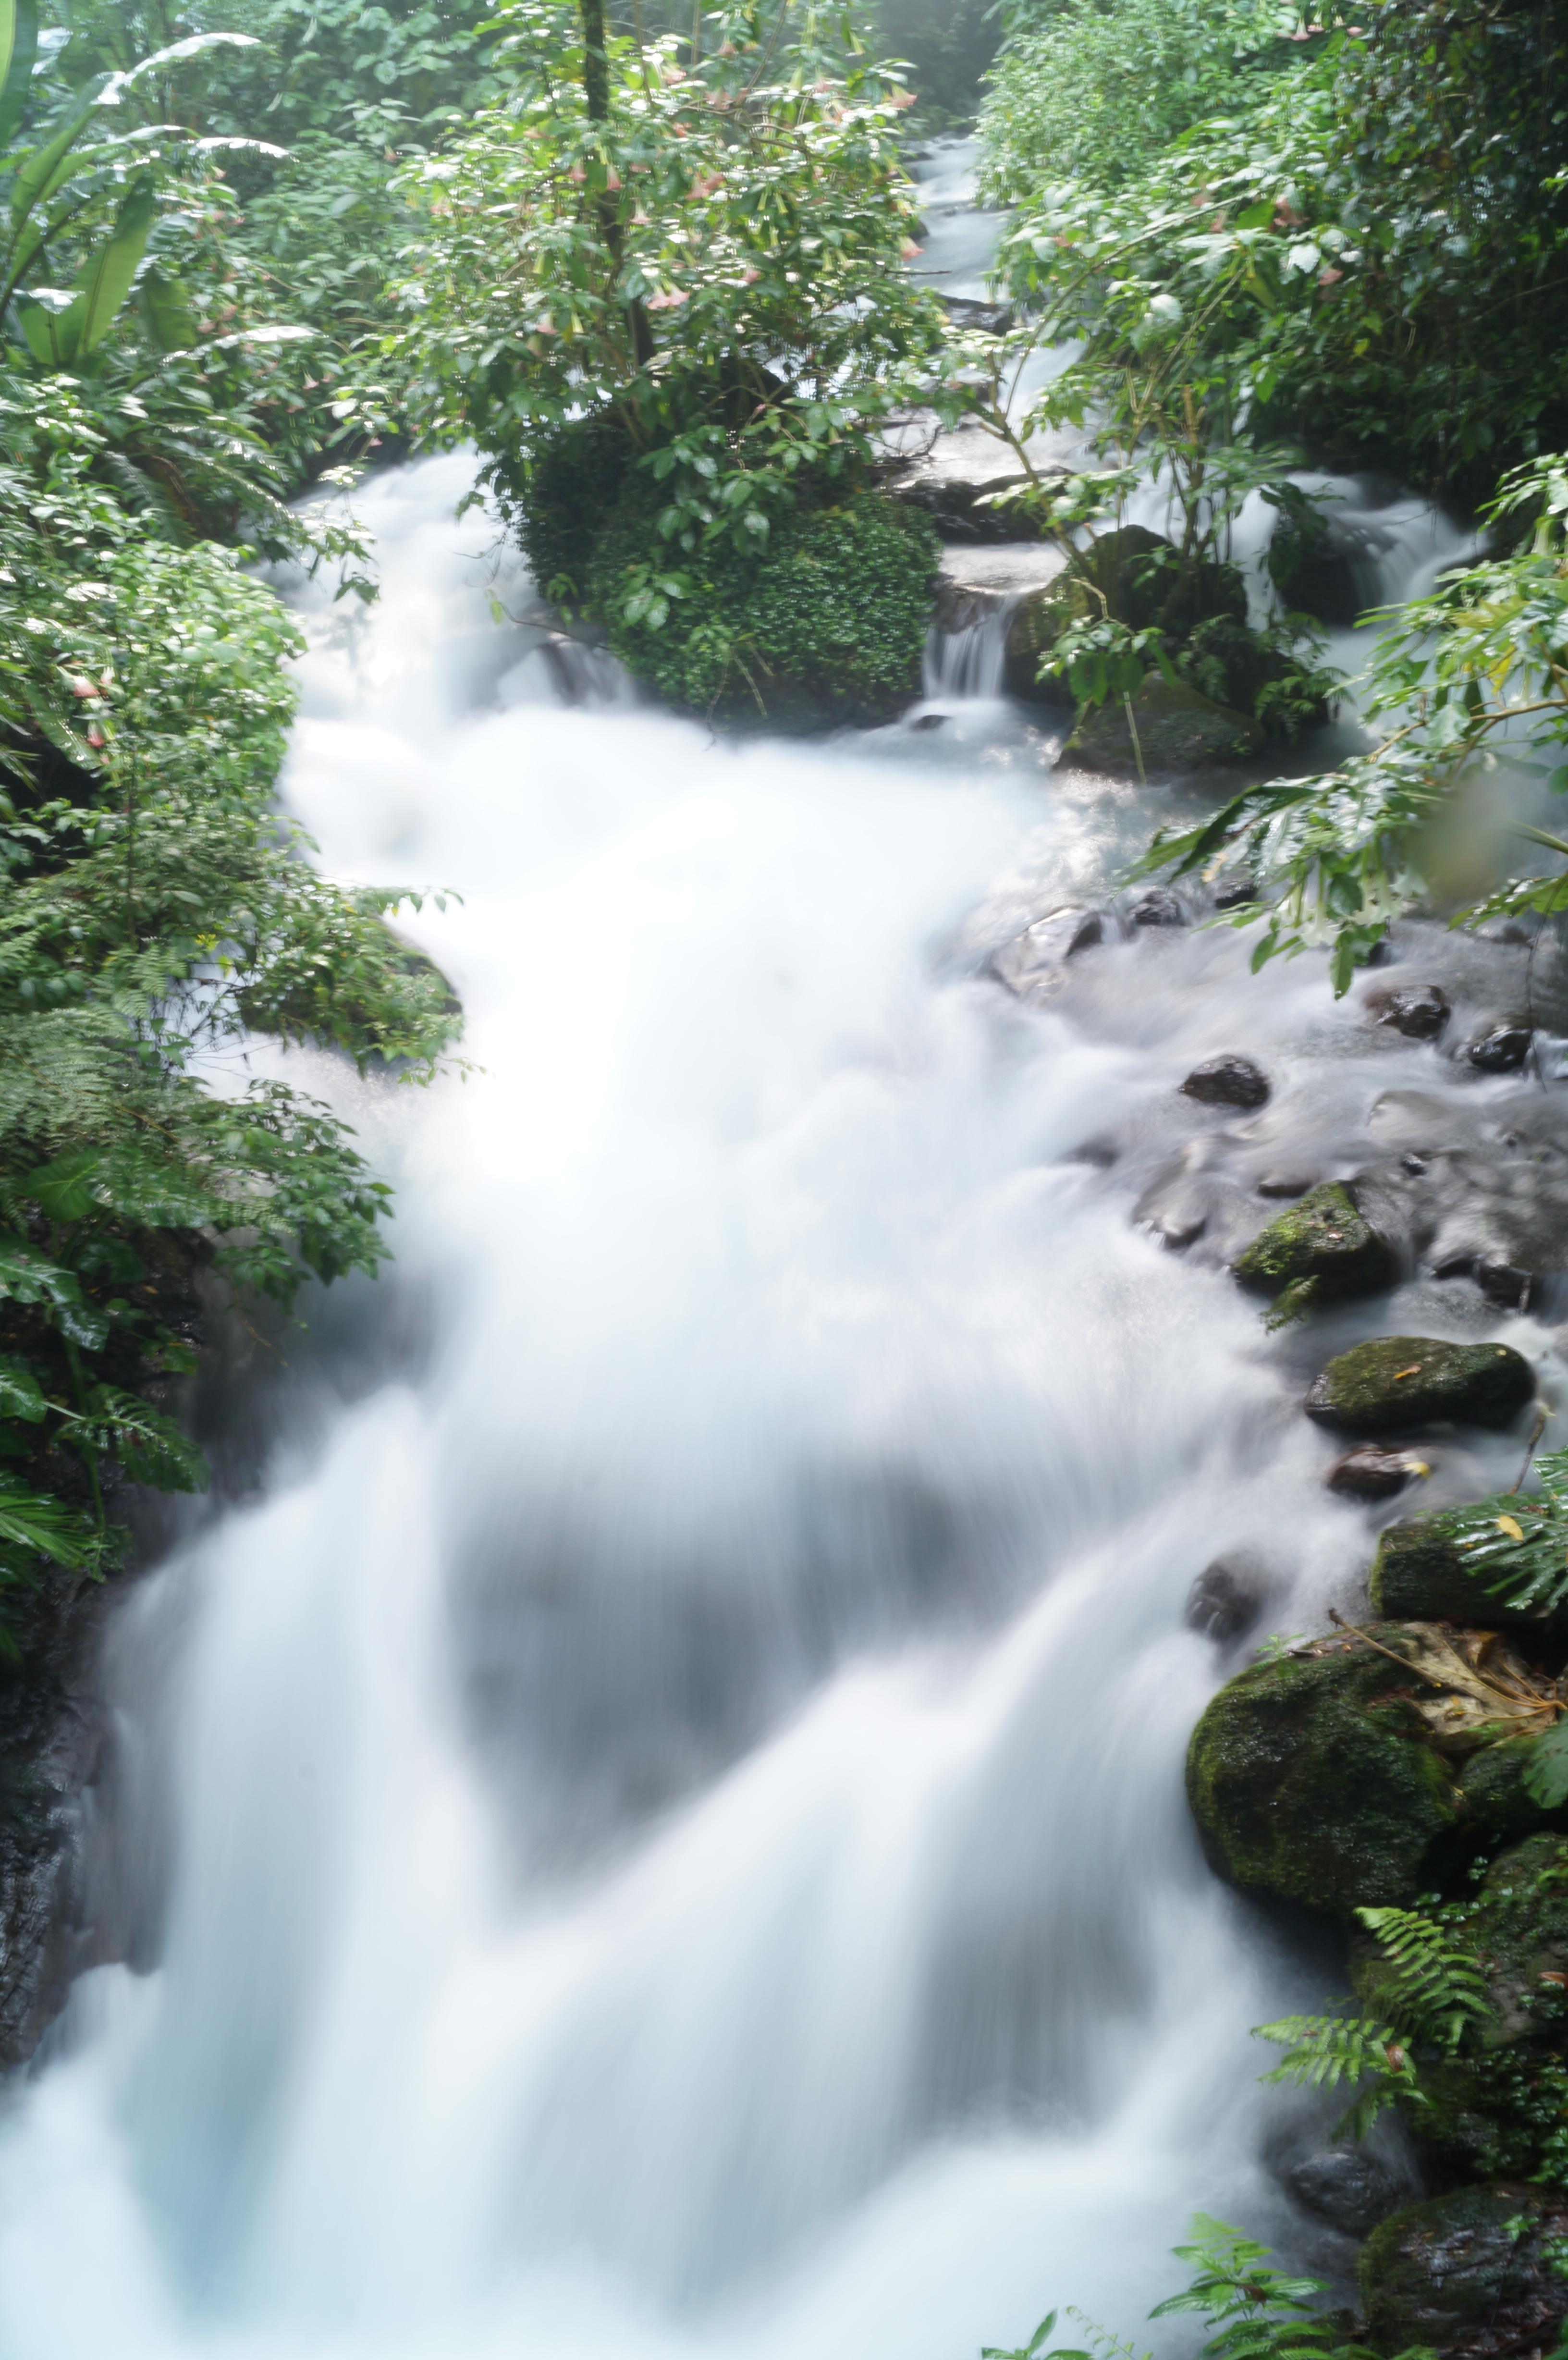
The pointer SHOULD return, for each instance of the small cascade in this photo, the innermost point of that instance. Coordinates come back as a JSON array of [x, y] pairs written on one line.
[[966, 660]]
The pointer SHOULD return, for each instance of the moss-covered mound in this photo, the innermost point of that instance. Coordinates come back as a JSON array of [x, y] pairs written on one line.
[[1178, 728], [1237, 685], [1470, 2274], [823, 622], [1311, 1778], [1422, 1574], [1395, 1383], [1320, 1240]]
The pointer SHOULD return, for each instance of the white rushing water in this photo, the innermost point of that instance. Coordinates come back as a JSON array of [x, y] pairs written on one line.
[[678, 1833], [674, 1796]]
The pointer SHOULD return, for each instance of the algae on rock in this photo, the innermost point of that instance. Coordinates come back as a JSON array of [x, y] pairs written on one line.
[[1394, 1382], [1422, 1573], [1321, 1242], [1471, 2272], [1311, 1779]]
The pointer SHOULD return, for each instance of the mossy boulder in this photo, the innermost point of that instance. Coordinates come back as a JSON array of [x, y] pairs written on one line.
[[1395, 1383], [1470, 2273], [1495, 2108], [1321, 1242], [1178, 729], [1422, 1573], [1311, 1778], [824, 622], [1237, 687]]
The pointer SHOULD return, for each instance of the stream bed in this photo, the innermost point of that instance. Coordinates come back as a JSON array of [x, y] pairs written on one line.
[[658, 1829]]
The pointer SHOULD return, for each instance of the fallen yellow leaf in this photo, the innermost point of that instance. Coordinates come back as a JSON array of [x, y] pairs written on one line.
[[1514, 1530], [1413, 1370]]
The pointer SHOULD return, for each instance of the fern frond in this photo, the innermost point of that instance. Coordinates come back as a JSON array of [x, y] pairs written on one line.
[[1325, 2052], [1438, 1987], [1522, 1543]]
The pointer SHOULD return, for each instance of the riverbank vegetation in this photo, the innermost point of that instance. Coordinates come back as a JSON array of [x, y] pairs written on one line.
[[1345, 247], [166, 389]]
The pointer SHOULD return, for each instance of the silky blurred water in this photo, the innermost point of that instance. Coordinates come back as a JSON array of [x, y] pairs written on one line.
[[664, 1823]]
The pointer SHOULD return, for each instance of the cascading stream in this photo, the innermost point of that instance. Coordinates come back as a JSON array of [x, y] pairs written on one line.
[[675, 1794]]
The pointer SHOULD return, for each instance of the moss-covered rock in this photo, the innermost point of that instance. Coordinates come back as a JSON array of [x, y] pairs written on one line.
[[1422, 1574], [1311, 1778], [1495, 2109], [1239, 685], [1395, 1383], [824, 623], [1178, 729], [1470, 2273], [1322, 1241]]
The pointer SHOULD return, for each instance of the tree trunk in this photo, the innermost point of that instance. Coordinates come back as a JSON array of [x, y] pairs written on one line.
[[596, 94]]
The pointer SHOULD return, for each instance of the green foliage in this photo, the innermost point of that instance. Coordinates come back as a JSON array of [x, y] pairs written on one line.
[[1253, 2310], [1349, 2052], [1482, 662], [706, 261], [1435, 1984], [825, 620], [156, 905], [1095, 92], [1257, 2313]]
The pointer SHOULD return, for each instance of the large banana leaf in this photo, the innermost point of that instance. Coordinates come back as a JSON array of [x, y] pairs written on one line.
[[105, 280], [18, 47]]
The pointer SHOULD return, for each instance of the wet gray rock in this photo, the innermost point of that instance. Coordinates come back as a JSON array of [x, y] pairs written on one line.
[[1227, 1081], [1228, 1597], [969, 311], [953, 477], [1470, 2273], [1501, 1050], [1418, 1010], [1371, 1472], [1395, 1383], [1232, 895], [1159, 909], [1345, 2186], [1283, 1183], [974, 583], [1032, 965]]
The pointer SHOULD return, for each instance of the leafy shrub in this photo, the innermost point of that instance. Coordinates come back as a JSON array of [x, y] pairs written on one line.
[[1096, 90], [827, 621]]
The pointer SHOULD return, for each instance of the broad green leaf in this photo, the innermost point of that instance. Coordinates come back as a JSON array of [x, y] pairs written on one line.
[[18, 47], [48, 1527], [105, 279], [20, 1394]]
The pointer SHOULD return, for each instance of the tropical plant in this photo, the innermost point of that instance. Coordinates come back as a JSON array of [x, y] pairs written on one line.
[[1477, 672], [1254, 2310], [1095, 92], [708, 256]]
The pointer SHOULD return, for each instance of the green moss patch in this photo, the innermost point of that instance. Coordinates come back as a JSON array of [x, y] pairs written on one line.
[[1309, 1778], [1395, 1383], [1322, 1238]]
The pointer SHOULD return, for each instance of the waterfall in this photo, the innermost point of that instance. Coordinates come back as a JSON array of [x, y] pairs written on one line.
[[968, 659], [675, 1800]]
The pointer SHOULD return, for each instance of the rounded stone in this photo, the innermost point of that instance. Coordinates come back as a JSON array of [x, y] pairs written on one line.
[[1418, 1010], [1370, 1472], [1422, 1573], [1325, 1238], [1470, 2273], [1395, 1383], [1159, 909], [1309, 1780], [1501, 1050], [1228, 1082]]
